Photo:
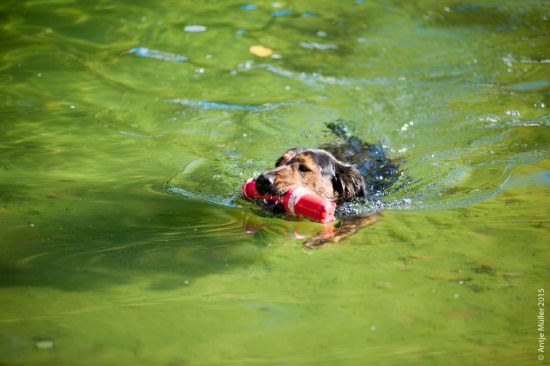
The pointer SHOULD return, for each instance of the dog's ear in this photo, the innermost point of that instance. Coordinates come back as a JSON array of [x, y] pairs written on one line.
[[287, 156], [348, 182]]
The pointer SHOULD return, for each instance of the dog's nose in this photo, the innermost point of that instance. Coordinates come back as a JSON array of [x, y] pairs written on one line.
[[264, 182]]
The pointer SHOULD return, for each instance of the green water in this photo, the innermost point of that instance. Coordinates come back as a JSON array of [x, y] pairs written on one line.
[[121, 242]]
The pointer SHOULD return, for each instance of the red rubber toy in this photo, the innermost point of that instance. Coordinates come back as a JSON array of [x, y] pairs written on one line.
[[297, 202]]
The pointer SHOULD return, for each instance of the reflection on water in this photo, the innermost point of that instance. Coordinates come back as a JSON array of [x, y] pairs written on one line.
[[128, 129], [204, 104], [145, 52]]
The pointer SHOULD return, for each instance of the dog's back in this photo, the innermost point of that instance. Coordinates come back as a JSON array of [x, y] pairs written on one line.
[[378, 170]]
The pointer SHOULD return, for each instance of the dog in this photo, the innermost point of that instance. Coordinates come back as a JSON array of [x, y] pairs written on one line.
[[370, 174], [315, 169]]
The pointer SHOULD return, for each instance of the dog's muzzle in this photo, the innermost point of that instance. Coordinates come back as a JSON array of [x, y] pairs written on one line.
[[264, 183]]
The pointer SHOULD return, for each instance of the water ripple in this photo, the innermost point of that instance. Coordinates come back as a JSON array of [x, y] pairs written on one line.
[[444, 193], [160, 55], [319, 46], [498, 121], [214, 200], [204, 104], [314, 79]]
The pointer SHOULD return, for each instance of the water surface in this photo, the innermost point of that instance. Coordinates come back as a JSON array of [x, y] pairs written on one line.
[[128, 127]]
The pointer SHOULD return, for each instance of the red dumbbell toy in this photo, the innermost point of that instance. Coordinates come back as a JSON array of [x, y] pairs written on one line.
[[298, 202]]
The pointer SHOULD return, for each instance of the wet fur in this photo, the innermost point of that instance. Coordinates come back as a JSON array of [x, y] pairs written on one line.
[[345, 169], [315, 169], [319, 171]]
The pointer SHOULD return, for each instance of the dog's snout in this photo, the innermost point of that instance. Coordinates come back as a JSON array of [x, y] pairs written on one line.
[[264, 182]]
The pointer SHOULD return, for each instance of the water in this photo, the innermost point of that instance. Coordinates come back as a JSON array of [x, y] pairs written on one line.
[[125, 138]]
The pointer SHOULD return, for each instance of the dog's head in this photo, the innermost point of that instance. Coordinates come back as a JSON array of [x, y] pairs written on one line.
[[314, 169]]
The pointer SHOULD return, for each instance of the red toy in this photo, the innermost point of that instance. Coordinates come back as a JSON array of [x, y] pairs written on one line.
[[298, 202]]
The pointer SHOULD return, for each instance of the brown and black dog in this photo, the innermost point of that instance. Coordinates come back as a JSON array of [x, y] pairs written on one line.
[[321, 172], [315, 169]]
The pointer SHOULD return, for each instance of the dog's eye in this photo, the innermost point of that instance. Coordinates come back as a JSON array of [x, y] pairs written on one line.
[[303, 168]]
